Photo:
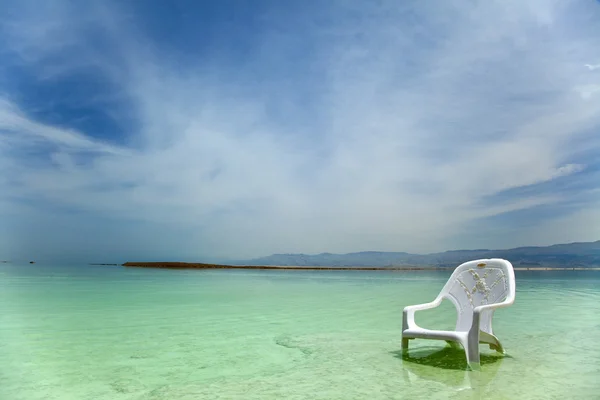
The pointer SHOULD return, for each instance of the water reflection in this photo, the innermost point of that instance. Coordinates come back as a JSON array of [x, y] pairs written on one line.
[[448, 366]]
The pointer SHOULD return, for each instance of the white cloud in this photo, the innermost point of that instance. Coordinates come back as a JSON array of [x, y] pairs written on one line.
[[587, 91], [582, 223], [20, 131], [417, 124]]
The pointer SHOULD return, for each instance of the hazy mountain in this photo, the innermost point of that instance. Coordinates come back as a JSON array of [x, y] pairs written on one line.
[[585, 254]]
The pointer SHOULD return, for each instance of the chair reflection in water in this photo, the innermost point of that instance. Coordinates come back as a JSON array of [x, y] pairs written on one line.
[[446, 366], [476, 288]]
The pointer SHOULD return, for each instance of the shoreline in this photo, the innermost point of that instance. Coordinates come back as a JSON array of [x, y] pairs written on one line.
[[185, 265]]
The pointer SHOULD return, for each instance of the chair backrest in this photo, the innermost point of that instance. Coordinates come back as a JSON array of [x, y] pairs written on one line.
[[478, 282]]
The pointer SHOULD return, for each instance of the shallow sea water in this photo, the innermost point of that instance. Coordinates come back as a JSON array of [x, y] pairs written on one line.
[[102, 332]]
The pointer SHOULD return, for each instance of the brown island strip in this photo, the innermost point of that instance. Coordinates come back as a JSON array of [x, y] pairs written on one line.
[[185, 265]]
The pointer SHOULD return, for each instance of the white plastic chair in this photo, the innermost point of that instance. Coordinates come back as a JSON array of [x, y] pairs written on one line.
[[476, 288]]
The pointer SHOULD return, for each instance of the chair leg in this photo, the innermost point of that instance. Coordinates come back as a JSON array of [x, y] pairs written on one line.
[[498, 347], [405, 345], [492, 341], [472, 354]]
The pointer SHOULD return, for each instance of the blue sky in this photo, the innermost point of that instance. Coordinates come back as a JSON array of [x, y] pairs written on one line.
[[232, 129]]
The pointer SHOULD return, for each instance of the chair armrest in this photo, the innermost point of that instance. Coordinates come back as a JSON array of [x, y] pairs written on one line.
[[485, 307], [408, 314]]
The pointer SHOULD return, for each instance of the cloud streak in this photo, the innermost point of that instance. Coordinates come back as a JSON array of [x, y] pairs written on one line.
[[346, 127]]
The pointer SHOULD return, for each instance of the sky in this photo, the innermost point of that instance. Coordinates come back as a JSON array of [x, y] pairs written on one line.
[[215, 130]]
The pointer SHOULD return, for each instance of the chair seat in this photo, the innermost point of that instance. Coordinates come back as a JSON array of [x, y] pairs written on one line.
[[422, 333]]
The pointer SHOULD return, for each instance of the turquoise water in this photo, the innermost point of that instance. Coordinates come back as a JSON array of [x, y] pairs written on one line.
[[114, 333]]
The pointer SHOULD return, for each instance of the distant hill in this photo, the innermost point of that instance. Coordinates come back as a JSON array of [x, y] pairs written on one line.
[[583, 254]]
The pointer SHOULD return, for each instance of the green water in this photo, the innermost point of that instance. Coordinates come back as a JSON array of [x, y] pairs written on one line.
[[115, 333]]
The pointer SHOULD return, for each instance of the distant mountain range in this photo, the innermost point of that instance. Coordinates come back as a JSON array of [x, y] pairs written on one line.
[[583, 254]]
